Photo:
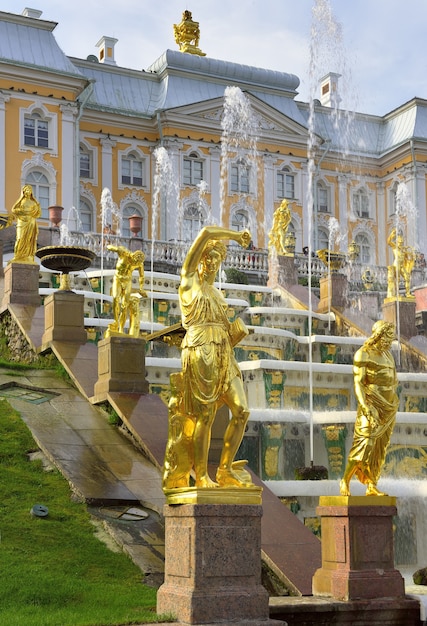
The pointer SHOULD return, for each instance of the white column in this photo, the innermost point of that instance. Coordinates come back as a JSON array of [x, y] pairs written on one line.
[[68, 156], [382, 225], [3, 100], [215, 182], [266, 213], [343, 211], [107, 145]]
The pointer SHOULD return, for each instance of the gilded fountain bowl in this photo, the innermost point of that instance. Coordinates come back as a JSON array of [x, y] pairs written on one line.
[[65, 259]]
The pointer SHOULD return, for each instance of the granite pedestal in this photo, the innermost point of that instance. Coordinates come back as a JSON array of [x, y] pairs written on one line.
[[121, 366], [64, 317], [357, 549], [401, 313], [21, 284], [333, 292], [213, 565]]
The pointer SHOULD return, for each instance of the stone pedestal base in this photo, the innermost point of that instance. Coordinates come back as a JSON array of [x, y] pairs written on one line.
[[333, 292], [213, 564], [357, 549], [121, 366], [64, 317], [405, 318], [288, 273], [21, 284]]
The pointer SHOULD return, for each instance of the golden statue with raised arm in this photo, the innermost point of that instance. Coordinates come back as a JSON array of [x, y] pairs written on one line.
[[25, 213], [278, 232], [126, 302], [403, 265], [210, 374], [375, 384]]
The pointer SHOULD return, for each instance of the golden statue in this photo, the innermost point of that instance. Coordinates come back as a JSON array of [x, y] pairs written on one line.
[[25, 212], [187, 34], [403, 265], [126, 302], [210, 374], [278, 232], [375, 383]]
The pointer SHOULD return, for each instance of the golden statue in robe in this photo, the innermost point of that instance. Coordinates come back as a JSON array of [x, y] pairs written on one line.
[[278, 233], [210, 374], [403, 265], [25, 213], [375, 384], [126, 301], [187, 34]]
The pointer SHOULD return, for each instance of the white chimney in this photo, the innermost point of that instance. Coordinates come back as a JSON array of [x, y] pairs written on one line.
[[35, 13], [106, 50], [329, 96]]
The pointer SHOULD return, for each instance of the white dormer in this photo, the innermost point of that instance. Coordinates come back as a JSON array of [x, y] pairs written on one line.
[[106, 50], [329, 96]]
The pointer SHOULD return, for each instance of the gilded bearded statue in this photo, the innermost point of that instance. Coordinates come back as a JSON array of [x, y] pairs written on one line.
[[375, 384], [210, 374]]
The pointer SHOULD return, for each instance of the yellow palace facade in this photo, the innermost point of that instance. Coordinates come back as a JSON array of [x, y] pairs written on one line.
[[72, 127]]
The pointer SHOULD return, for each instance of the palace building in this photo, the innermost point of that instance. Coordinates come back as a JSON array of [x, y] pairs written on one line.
[[72, 127]]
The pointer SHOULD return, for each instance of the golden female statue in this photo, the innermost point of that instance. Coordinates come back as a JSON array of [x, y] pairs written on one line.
[[278, 232], [210, 374], [25, 212], [375, 383], [126, 303], [403, 265]]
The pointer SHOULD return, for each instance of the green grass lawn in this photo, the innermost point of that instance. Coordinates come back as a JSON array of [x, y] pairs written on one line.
[[54, 571]]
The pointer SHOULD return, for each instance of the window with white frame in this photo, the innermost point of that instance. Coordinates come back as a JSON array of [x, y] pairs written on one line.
[[285, 183], [192, 169], [36, 131], [239, 177], [322, 198], [192, 223], [86, 162], [41, 190], [132, 170], [86, 216], [365, 254], [239, 220], [129, 210], [361, 203]]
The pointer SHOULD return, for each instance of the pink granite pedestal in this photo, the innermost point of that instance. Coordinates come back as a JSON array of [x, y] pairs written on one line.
[[213, 565], [401, 313], [333, 292], [357, 549], [121, 366], [21, 284], [64, 317]]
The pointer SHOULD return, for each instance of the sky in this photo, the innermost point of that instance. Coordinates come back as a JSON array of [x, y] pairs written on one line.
[[378, 46]]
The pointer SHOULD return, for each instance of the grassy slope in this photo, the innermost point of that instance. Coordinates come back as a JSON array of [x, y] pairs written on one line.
[[54, 572]]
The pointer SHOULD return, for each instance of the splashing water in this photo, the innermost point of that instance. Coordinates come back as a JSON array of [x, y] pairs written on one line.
[[334, 233], [406, 214], [166, 202], [110, 212], [238, 145]]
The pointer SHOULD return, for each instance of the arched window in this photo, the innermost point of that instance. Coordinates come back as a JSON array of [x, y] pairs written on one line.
[[36, 131], [322, 239], [86, 217], [192, 223], [129, 210], [239, 177], [240, 220], [40, 186], [192, 169], [365, 255], [285, 183], [132, 170], [361, 203]]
